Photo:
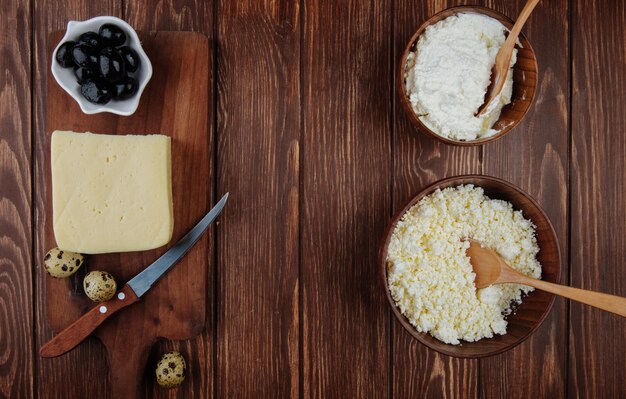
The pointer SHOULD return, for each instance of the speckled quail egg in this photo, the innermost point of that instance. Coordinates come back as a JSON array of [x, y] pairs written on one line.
[[60, 264], [171, 370], [99, 286]]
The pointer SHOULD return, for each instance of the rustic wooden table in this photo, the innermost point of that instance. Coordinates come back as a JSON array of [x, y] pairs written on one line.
[[309, 139]]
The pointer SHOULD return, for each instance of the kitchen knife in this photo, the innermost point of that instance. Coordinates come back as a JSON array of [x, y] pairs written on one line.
[[131, 292]]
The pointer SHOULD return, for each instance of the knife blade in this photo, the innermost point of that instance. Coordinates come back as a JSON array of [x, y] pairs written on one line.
[[142, 282], [131, 292]]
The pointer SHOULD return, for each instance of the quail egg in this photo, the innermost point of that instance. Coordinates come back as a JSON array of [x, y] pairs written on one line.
[[171, 370], [99, 286], [60, 264]]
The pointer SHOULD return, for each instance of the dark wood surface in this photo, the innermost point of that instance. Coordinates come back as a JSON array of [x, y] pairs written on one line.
[[175, 103], [598, 157], [306, 132]]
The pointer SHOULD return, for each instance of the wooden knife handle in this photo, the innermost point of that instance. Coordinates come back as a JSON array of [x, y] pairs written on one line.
[[76, 332]]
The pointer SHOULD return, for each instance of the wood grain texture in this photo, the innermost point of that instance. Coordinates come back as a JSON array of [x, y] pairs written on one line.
[[534, 156], [345, 181], [337, 168], [17, 364], [259, 164], [598, 243], [200, 351], [418, 161]]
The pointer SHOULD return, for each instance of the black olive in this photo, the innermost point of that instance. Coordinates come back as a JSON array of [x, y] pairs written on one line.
[[91, 39], [84, 55], [83, 74], [112, 35], [96, 92], [64, 54], [131, 58], [111, 65], [125, 89]]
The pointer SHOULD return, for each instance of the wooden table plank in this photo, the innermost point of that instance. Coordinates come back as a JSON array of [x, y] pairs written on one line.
[[419, 161], [198, 352], [598, 189], [345, 198], [534, 156], [16, 274], [258, 163], [87, 362]]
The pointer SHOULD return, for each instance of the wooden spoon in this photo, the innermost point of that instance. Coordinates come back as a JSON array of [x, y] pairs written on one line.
[[491, 269], [503, 58]]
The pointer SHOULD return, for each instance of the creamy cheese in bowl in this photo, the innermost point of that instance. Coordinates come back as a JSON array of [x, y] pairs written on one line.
[[449, 71]]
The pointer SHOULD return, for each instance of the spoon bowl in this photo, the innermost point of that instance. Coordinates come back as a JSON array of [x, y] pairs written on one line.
[[535, 307], [486, 263]]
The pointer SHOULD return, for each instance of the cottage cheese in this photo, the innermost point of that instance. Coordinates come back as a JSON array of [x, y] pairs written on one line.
[[430, 276], [449, 72]]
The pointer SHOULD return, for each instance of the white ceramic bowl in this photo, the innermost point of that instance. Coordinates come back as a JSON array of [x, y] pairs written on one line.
[[66, 79]]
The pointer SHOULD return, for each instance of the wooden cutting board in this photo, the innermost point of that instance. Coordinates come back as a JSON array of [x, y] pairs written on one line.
[[175, 103]]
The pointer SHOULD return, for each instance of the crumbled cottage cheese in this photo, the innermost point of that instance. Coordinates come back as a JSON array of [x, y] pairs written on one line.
[[430, 276], [449, 72]]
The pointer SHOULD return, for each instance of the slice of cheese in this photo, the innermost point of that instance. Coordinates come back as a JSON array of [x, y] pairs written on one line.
[[111, 193]]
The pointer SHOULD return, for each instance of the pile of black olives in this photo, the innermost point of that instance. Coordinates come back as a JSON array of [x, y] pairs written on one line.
[[103, 64]]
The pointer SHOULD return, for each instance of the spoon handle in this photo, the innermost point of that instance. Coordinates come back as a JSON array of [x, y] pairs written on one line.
[[521, 20], [503, 58], [610, 303]]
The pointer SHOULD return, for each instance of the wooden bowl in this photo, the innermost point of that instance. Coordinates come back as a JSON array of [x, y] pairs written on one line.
[[524, 79], [534, 308]]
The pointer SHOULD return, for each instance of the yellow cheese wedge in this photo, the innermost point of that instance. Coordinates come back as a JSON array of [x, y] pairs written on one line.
[[111, 193]]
